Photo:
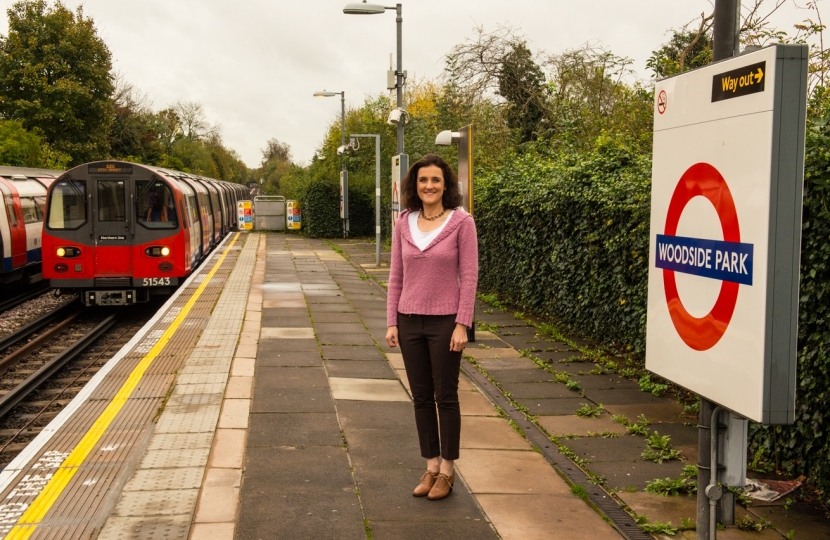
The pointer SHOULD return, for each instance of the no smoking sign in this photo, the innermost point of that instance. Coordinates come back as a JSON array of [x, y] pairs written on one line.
[[725, 228]]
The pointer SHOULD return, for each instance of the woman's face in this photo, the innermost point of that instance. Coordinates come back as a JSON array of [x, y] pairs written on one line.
[[431, 185]]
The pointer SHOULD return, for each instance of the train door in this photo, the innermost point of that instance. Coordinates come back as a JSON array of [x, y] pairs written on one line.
[[17, 228], [111, 227]]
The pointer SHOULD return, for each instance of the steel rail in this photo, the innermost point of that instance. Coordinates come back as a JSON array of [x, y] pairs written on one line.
[[26, 331], [19, 393], [20, 298]]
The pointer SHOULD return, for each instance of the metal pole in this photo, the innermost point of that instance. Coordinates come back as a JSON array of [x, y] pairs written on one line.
[[399, 75], [726, 29], [377, 200], [726, 44], [345, 174]]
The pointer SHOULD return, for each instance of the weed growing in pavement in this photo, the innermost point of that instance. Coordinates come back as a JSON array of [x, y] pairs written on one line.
[[492, 299], [488, 311], [599, 369], [687, 524], [745, 500], [639, 427], [629, 372], [692, 409], [659, 528], [647, 385], [562, 377], [746, 523], [334, 247], [609, 435], [621, 419], [487, 327], [588, 411], [579, 491], [671, 486], [573, 385], [791, 535], [659, 449], [596, 479]]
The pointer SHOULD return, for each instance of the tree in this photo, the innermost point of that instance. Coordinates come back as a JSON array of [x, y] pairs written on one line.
[[21, 148], [274, 149], [55, 77], [522, 85]]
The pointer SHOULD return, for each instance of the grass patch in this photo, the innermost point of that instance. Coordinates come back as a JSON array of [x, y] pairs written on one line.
[[588, 411]]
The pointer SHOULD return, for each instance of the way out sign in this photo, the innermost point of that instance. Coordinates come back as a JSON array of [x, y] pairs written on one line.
[[727, 181]]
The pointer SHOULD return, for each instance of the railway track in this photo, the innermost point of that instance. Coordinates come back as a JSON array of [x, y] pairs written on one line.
[[33, 292], [47, 363]]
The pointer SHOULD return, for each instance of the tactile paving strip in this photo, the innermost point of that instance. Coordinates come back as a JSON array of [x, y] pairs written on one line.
[[162, 528]]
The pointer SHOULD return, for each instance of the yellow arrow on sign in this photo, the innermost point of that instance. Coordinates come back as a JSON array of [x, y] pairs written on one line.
[[759, 76]]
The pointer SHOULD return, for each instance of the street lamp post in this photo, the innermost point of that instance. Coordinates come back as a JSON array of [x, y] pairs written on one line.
[[375, 9], [345, 174], [377, 190]]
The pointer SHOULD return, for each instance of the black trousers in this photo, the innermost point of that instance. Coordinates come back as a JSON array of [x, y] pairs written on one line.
[[432, 370]]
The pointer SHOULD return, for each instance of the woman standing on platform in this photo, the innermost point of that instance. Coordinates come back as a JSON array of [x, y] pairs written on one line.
[[432, 287]]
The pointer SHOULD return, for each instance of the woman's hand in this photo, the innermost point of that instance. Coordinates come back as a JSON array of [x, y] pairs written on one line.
[[392, 336], [459, 338]]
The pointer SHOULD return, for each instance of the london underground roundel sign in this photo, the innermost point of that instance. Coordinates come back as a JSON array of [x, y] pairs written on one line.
[[725, 230], [729, 261]]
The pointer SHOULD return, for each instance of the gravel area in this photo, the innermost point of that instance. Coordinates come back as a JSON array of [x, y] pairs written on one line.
[[27, 312]]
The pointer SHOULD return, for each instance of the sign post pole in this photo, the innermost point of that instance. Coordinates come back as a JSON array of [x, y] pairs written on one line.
[[726, 28]]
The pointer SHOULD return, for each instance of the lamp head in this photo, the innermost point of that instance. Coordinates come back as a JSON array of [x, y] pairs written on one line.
[[363, 9], [447, 138], [326, 94]]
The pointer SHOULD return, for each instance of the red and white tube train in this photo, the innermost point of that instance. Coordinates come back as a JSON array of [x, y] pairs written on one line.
[[117, 232], [23, 196]]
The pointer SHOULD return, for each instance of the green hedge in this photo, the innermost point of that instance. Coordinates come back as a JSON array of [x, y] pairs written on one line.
[[567, 237], [320, 205]]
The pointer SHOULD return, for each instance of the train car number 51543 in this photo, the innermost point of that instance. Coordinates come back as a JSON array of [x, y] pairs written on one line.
[[156, 282]]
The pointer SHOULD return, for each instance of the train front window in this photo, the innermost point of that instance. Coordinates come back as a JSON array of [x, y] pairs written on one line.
[[67, 205], [112, 204], [155, 204]]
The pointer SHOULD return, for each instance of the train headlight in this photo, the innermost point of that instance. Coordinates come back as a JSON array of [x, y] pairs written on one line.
[[67, 252], [157, 251]]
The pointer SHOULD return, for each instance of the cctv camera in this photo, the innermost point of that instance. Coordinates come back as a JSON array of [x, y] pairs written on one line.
[[396, 116], [340, 150]]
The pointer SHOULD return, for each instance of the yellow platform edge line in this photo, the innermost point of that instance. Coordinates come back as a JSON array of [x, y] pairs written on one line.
[[33, 515]]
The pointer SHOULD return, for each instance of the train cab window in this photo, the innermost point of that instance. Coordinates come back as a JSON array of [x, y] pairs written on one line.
[[155, 204], [31, 212], [67, 205], [8, 202], [112, 204]]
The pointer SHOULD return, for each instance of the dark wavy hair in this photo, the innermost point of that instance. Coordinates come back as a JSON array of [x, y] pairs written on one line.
[[409, 189]]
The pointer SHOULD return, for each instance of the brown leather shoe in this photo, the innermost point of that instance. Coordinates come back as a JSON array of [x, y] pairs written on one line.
[[442, 487], [427, 481]]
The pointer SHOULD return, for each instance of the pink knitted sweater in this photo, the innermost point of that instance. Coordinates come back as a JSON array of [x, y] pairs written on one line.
[[442, 279]]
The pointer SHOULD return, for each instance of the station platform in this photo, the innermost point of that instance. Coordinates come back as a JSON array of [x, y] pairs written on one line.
[[262, 402]]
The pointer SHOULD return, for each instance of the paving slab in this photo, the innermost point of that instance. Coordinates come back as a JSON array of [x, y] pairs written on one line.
[[291, 399], [267, 346], [559, 426], [490, 433], [547, 517], [387, 495], [361, 338], [367, 389], [280, 359], [537, 390], [364, 369], [554, 406], [357, 352], [469, 529], [374, 415], [294, 429]]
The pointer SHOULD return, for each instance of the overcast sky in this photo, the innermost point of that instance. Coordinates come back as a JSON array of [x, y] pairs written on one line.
[[254, 64]]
